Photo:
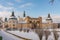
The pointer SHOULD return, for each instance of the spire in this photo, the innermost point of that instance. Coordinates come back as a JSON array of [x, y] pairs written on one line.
[[24, 14], [13, 14], [48, 15]]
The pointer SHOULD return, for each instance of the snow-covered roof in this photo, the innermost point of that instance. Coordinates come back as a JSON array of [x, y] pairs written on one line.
[[22, 22], [30, 35], [49, 19], [44, 21], [13, 17]]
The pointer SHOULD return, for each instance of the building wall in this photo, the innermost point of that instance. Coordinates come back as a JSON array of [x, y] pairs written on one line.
[[55, 25], [46, 25], [30, 23], [24, 25], [12, 24], [35, 21]]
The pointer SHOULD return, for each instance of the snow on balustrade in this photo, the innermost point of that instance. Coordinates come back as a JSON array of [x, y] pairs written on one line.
[[7, 36], [49, 29], [29, 35], [43, 38], [34, 36], [59, 37], [51, 36]]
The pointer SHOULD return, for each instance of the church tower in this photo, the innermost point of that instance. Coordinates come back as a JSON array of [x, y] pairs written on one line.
[[24, 15], [49, 21], [12, 22]]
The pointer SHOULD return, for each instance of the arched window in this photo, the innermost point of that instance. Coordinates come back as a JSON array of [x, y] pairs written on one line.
[[30, 21]]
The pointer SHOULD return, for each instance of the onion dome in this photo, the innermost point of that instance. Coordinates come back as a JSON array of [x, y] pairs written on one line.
[[49, 17], [13, 16]]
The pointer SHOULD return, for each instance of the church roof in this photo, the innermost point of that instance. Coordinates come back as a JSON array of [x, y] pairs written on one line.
[[22, 22], [13, 16], [49, 17]]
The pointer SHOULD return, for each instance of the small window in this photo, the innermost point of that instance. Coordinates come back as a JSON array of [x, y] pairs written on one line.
[[13, 24]]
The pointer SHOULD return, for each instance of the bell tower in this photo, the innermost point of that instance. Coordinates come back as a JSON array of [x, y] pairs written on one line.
[[49, 21]]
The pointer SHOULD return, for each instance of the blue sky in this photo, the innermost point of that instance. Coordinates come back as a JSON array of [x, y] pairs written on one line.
[[33, 8]]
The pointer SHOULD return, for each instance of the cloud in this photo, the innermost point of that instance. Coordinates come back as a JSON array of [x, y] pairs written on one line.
[[44, 20], [6, 8], [26, 5], [7, 14], [55, 18], [19, 13], [4, 14]]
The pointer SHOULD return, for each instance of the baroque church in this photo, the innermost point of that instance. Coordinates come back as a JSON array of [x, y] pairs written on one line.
[[27, 22]]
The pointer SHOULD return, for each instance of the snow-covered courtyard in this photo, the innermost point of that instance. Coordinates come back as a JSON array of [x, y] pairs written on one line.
[[29, 35], [6, 36]]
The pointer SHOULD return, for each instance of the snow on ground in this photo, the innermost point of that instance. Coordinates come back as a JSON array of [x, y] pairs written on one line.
[[57, 29], [7, 36], [59, 35], [29, 35], [51, 36], [43, 38]]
